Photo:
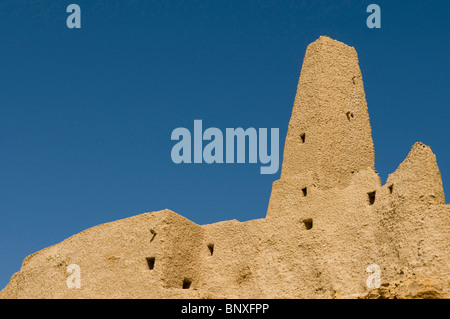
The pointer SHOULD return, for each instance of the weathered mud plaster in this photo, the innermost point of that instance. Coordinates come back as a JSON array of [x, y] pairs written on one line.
[[329, 217]]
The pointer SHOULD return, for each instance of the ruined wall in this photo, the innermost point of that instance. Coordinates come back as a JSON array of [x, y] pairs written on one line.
[[329, 217]]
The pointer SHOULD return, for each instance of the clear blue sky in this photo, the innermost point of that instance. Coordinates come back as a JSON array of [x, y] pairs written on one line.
[[86, 115]]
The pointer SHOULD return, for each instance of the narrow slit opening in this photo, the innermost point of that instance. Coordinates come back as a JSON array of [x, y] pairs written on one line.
[[211, 249], [304, 191], [391, 188], [350, 115], [151, 262], [187, 283], [371, 197], [303, 137]]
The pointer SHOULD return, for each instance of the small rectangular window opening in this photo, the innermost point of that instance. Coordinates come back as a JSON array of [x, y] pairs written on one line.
[[186, 283], [308, 223], [151, 262], [350, 115], [303, 136], [391, 188], [211, 249], [304, 191], [371, 197]]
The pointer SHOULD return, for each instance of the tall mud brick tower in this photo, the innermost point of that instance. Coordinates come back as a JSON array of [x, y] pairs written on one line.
[[331, 228], [329, 137]]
